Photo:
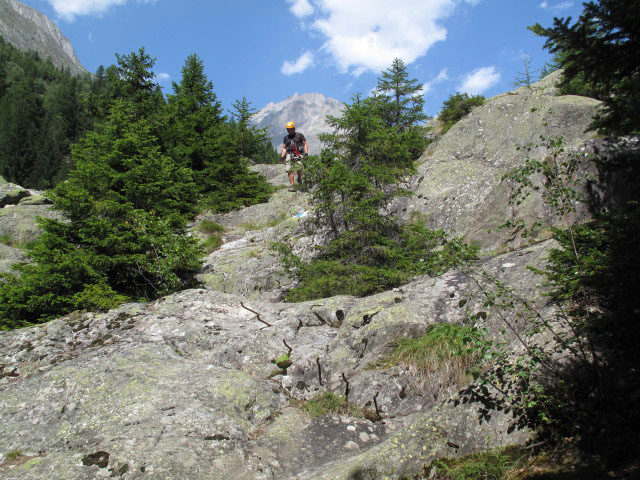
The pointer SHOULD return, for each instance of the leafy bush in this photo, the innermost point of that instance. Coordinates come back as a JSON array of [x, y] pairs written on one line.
[[456, 107]]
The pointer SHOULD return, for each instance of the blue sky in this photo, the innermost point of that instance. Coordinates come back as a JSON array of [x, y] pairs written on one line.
[[267, 50]]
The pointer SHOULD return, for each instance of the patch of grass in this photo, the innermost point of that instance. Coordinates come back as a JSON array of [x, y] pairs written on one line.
[[212, 243], [444, 345], [489, 465], [13, 455], [209, 227], [12, 242], [328, 403]]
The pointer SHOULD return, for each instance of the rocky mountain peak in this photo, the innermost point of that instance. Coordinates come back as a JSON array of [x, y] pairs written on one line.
[[28, 29], [307, 110]]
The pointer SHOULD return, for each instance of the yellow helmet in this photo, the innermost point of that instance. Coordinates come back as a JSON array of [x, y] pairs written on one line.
[[291, 125]]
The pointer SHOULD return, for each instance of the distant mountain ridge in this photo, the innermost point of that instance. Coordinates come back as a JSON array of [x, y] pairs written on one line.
[[28, 29], [308, 111]]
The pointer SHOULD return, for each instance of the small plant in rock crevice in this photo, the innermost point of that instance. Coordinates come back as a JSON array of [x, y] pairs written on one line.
[[329, 403]]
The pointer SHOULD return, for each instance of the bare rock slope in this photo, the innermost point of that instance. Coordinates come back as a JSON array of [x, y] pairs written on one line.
[[185, 387], [28, 29], [459, 185]]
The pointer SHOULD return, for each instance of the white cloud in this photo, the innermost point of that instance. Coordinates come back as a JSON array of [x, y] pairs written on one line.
[[163, 78], [301, 8], [557, 7], [479, 80], [299, 66], [442, 77], [363, 35], [70, 9]]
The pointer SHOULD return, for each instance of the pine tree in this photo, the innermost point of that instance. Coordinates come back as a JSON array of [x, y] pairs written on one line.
[[127, 206], [133, 79], [193, 119], [197, 135], [401, 96], [248, 138], [355, 180], [20, 126], [602, 48]]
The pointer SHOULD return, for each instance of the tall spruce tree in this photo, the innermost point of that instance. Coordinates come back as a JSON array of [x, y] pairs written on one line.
[[355, 180], [401, 96], [248, 138], [127, 206], [197, 134], [132, 79], [602, 48]]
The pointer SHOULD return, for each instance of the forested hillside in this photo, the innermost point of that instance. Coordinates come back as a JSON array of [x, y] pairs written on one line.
[[142, 167], [43, 110]]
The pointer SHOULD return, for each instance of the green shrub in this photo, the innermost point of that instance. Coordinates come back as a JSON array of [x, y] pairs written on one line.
[[359, 264], [456, 107]]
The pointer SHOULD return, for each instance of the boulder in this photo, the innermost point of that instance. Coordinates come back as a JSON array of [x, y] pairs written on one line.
[[11, 194], [186, 387], [275, 174], [459, 185], [9, 256], [19, 221]]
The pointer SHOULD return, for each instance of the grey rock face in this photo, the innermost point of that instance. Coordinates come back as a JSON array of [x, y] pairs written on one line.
[[246, 264], [308, 111], [458, 186], [9, 256], [19, 221], [28, 29], [184, 387], [12, 194]]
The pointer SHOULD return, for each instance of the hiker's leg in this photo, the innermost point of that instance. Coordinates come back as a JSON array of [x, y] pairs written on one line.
[[291, 178], [299, 176]]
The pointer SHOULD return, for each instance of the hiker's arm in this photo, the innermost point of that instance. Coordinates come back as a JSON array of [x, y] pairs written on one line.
[[306, 148]]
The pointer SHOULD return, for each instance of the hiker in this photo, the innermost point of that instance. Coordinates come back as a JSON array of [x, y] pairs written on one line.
[[294, 148]]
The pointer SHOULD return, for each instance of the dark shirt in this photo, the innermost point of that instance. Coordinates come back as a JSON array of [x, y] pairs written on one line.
[[299, 140]]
